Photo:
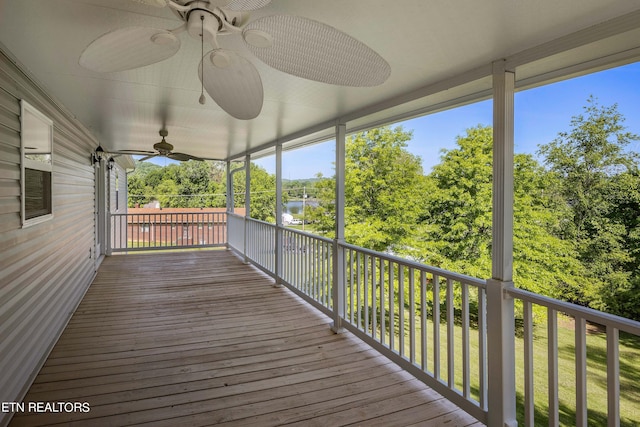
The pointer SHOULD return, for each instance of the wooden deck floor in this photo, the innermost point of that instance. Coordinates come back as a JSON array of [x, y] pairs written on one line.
[[198, 338]]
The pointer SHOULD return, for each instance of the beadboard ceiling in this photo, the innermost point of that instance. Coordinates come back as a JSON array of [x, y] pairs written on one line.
[[440, 53]]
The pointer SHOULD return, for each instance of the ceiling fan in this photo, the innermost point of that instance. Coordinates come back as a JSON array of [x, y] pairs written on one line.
[[292, 44], [162, 148]]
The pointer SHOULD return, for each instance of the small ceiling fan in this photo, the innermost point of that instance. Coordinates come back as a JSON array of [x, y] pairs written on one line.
[[292, 44], [162, 148]]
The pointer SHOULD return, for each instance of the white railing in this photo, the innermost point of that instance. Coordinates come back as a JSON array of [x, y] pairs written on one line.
[[261, 244], [307, 263], [609, 324], [175, 230], [427, 319], [235, 231], [434, 322]]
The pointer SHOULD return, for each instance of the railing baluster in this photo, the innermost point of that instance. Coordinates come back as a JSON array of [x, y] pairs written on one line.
[[326, 262], [318, 271], [466, 386], [324, 275], [401, 308], [412, 317], [613, 377], [450, 336], [374, 306], [436, 326], [383, 329], [297, 258], [423, 320], [529, 410], [552, 355], [482, 347], [358, 277], [581, 371], [366, 293], [392, 303], [351, 286]]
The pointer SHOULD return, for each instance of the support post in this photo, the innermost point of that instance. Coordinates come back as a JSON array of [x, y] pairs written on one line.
[[230, 202], [338, 288], [108, 239], [500, 312], [278, 248], [247, 205]]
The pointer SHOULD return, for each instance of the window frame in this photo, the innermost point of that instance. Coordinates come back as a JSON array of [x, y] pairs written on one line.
[[25, 163]]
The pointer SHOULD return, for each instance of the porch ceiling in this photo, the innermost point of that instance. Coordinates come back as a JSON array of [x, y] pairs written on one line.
[[440, 52]]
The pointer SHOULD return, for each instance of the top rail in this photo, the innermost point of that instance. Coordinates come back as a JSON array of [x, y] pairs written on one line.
[[474, 281], [595, 316]]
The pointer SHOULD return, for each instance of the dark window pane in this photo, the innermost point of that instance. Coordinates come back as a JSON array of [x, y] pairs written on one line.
[[37, 189]]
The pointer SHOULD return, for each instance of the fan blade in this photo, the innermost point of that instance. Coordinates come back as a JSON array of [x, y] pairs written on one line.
[[315, 51], [134, 152], [156, 3], [148, 157], [129, 48], [232, 82], [247, 5], [182, 157]]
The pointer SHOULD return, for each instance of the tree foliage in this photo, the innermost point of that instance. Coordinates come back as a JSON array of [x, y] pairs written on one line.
[[598, 181], [196, 184], [456, 229], [263, 193], [383, 184]]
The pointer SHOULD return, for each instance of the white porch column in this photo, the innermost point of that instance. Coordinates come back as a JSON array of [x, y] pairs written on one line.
[[108, 239], [229, 188], [229, 200], [337, 290], [247, 204], [278, 248], [500, 314]]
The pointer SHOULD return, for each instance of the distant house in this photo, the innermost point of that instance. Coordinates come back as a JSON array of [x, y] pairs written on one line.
[[287, 218], [175, 226]]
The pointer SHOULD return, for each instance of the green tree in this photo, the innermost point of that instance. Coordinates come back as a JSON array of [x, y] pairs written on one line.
[[383, 183], [323, 215], [165, 193], [598, 180], [455, 233], [187, 184], [263, 193]]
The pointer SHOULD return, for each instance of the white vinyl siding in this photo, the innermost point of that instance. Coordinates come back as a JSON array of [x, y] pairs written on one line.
[[44, 268]]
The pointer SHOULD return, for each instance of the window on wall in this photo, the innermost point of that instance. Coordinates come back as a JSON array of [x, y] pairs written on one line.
[[36, 166]]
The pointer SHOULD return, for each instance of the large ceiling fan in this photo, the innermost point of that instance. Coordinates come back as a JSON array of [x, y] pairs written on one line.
[[162, 148], [292, 44]]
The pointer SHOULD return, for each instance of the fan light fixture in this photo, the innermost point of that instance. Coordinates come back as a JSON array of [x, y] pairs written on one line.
[[298, 46]]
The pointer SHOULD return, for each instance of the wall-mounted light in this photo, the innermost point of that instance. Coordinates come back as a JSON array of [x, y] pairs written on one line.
[[99, 154], [111, 163]]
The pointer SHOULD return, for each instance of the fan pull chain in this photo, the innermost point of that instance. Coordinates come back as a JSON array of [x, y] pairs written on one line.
[[202, 98]]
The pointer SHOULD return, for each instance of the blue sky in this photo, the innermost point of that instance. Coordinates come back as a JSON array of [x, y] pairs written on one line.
[[540, 114]]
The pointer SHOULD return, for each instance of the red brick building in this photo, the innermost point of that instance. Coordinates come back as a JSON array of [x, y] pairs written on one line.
[[155, 227]]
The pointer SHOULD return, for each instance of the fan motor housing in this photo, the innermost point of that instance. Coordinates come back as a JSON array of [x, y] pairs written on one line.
[[203, 20]]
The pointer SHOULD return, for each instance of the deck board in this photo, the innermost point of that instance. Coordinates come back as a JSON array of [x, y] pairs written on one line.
[[198, 338]]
